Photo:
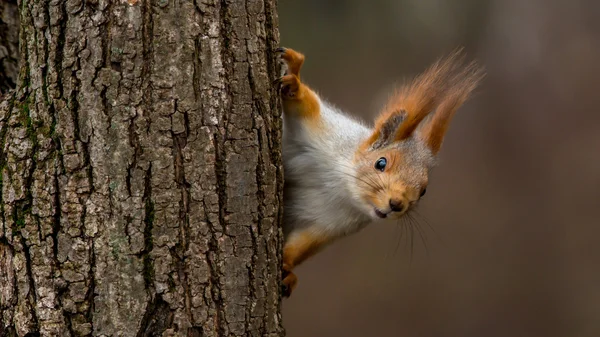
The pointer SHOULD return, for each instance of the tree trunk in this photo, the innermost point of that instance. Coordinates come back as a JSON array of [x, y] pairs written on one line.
[[9, 44], [140, 171]]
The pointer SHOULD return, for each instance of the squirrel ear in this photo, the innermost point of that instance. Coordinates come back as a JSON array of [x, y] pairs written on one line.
[[443, 86], [385, 130], [434, 130]]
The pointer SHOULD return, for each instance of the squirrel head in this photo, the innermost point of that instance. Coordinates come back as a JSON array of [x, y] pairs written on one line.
[[392, 165]]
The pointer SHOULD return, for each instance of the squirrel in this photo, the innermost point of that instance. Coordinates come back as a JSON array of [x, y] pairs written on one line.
[[340, 175]]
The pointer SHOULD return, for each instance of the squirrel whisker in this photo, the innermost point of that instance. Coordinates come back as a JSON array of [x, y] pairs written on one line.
[[341, 175]]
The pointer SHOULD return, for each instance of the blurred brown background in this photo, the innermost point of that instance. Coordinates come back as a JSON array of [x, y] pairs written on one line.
[[514, 201]]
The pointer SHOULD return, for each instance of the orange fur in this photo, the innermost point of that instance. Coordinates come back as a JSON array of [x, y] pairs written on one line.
[[301, 246], [298, 99], [393, 189], [438, 86], [298, 248], [293, 59], [381, 187], [289, 280], [434, 130]]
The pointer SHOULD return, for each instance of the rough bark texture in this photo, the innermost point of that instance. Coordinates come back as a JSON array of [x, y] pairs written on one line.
[[9, 44], [140, 171]]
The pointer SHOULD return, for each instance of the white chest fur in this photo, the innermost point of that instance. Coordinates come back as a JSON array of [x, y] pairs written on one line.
[[319, 174]]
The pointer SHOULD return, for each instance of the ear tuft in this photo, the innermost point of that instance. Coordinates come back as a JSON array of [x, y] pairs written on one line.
[[443, 87], [463, 84]]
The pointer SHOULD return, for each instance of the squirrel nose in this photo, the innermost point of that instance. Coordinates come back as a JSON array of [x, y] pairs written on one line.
[[396, 205]]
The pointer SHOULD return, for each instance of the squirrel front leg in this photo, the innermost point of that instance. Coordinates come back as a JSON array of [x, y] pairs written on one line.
[[298, 99], [298, 247]]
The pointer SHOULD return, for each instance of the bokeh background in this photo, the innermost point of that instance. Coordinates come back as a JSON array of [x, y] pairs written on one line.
[[513, 248]]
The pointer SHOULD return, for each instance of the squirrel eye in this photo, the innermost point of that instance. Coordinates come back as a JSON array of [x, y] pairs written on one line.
[[380, 164], [423, 192]]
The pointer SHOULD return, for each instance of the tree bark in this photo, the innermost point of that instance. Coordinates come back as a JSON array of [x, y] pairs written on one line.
[[9, 45], [140, 171]]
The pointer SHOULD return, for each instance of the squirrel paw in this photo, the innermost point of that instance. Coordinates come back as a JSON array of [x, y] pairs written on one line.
[[292, 59], [289, 281], [289, 85]]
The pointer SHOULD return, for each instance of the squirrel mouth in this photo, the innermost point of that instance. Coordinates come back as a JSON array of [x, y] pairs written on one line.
[[380, 214]]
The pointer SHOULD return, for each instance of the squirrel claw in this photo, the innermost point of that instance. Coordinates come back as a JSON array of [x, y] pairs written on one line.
[[286, 290], [289, 86], [289, 281], [292, 59], [277, 80]]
